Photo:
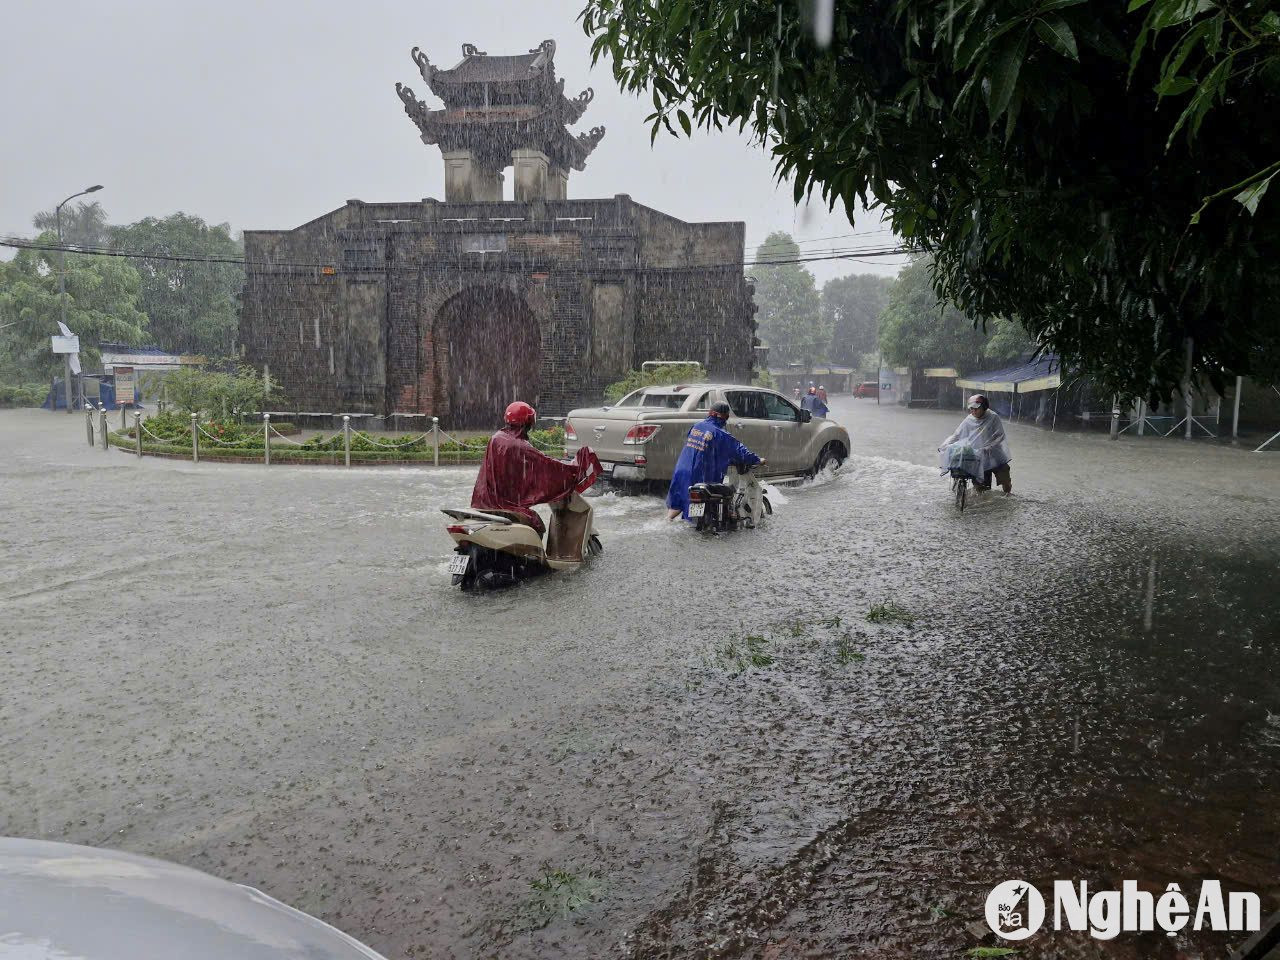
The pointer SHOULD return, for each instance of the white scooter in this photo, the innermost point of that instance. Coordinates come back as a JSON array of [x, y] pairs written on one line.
[[498, 549]]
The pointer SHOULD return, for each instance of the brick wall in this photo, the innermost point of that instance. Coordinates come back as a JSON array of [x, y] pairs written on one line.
[[377, 279]]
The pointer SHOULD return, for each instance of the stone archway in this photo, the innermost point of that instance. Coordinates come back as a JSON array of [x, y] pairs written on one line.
[[492, 355]]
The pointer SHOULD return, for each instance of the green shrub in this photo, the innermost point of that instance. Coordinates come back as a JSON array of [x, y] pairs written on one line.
[[661, 377], [23, 394], [217, 393]]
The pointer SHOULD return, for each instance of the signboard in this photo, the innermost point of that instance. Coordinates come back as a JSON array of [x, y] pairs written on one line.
[[69, 344], [124, 386]]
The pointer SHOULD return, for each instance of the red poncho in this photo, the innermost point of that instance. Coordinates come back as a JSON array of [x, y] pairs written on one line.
[[515, 475]]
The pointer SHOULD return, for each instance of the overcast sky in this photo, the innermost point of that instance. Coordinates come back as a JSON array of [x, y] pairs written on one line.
[[268, 114]]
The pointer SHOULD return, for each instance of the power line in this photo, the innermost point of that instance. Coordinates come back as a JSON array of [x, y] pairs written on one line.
[[847, 253], [838, 236]]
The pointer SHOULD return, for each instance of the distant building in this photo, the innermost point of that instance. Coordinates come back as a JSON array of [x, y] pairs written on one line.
[[453, 309]]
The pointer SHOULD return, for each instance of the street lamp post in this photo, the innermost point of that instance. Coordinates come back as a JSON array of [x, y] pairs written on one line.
[[62, 288]]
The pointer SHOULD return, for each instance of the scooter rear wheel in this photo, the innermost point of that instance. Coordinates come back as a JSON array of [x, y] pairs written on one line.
[[467, 581]]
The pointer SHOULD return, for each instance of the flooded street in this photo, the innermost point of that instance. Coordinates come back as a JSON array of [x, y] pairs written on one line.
[[265, 674]]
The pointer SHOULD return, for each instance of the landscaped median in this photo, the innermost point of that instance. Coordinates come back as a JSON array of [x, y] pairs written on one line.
[[169, 435]]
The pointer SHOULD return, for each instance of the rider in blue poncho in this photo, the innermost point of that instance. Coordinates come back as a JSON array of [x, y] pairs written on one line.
[[707, 453], [814, 403]]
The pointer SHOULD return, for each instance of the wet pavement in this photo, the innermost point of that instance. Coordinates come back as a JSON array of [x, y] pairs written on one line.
[[264, 673]]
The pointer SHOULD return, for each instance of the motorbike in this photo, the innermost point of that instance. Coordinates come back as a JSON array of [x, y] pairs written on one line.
[[740, 501], [496, 548]]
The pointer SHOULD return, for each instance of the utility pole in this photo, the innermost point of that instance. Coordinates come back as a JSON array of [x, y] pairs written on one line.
[[62, 287]]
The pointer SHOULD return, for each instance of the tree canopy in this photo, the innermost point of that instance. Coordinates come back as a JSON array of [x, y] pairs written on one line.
[[1097, 170], [84, 223], [191, 305], [789, 320], [852, 306], [916, 330], [102, 304]]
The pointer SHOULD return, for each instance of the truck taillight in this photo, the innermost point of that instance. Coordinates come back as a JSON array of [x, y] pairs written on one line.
[[641, 433], [569, 432]]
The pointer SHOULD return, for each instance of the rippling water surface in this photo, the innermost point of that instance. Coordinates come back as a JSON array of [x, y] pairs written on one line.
[[263, 673]]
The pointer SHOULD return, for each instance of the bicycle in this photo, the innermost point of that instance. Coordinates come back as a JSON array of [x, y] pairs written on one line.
[[960, 462], [960, 487]]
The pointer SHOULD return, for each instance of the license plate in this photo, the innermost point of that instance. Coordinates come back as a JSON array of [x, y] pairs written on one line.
[[458, 564], [697, 509], [606, 467]]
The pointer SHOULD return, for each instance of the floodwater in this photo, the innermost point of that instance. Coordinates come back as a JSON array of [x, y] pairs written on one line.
[[264, 673]]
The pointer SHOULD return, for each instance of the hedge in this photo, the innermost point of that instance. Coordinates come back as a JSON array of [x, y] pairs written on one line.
[[448, 453]]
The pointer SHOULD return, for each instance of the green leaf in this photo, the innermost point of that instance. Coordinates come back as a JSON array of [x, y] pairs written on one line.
[[991, 952], [1137, 4], [1249, 197], [1178, 56], [1053, 30], [684, 122], [1269, 23], [679, 18], [1169, 13], [1208, 90], [1174, 86], [1057, 5], [1004, 75]]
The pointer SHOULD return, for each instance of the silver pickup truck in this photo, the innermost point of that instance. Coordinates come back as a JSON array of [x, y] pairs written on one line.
[[639, 438]]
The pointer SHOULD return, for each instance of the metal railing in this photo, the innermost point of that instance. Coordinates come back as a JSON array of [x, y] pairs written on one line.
[[202, 437]]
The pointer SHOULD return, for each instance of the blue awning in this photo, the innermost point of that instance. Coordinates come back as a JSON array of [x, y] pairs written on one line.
[[1043, 373]]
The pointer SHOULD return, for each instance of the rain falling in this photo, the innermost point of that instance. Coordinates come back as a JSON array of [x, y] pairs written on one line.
[[641, 479]]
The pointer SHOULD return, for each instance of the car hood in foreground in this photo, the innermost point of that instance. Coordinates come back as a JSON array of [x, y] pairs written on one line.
[[59, 901]]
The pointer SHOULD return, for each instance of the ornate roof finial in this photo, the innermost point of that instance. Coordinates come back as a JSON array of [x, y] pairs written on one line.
[[546, 46], [471, 50], [578, 105], [415, 108], [424, 65]]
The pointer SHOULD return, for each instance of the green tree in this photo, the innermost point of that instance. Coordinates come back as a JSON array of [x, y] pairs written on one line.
[[916, 330], [1097, 169], [1008, 342], [102, 304], [661, 376], [192, 306], [790, 319], [852, 306], [84, 223]]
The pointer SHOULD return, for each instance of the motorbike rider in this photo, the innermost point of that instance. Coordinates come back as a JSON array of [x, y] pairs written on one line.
[[515, 475], [983, 430], [814, 403], [707, 453]]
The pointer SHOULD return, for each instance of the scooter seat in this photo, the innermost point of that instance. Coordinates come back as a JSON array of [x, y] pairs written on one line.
[[718, 489]]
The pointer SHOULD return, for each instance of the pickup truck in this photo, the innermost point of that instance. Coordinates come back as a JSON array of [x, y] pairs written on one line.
[[639, 438]]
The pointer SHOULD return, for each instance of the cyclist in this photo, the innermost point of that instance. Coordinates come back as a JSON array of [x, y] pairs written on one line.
[[983, 430]]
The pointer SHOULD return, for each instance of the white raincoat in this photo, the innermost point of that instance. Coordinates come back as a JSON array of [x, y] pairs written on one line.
[[987, 438]]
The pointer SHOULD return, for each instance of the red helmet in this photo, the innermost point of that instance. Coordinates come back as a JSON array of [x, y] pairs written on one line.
[[520, 414]]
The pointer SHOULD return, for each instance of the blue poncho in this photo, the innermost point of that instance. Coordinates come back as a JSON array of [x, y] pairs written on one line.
[[813, 403], [707, 453]]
